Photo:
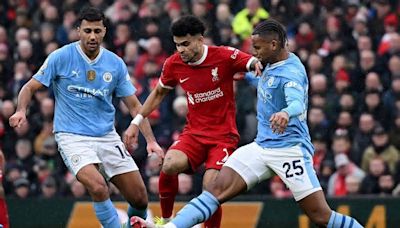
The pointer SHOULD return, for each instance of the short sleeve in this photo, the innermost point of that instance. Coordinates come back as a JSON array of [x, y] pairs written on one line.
[[125, 87], [167, 79], [240, 61], [48, 70]]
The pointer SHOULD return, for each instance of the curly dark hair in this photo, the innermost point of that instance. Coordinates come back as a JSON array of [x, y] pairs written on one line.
[[91, 14], [188, 25]]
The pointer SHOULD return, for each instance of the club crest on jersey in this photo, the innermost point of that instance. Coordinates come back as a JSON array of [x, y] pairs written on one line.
[[270, 81], [91, 75], [214, 73], [107, 77], [75, 159]]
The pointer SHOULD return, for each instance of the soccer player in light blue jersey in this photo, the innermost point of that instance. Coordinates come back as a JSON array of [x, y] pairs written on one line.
[[84, 77], [282, 145]]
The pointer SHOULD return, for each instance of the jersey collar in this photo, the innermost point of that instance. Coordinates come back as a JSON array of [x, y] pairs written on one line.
[[85, 57], [280, 63], [274, 65], [203, 57]]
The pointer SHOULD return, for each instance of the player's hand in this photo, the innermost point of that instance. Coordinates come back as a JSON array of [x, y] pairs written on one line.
[[257, 67], [131, 137], [279, 122], [154, 148], [17, 119]]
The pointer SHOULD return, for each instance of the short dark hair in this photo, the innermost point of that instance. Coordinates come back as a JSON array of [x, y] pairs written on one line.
[[188, 25], [271, 27], [91, 14]]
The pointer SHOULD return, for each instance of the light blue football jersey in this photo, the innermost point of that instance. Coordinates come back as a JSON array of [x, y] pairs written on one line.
[[271, 99], [83, 89]]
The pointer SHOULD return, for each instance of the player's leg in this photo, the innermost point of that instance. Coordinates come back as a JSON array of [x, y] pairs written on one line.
[[317, 209], [122, 171], [217, 156], [3, 206], [215, 220], [133, 189], [94, 182], [227, 185], [243, 170], [185, 155], [80, 158], [175, 162], [295, 168]]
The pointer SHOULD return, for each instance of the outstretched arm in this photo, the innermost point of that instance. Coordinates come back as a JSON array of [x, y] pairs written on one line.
[[141, 112], [24, 98], [134, 106]]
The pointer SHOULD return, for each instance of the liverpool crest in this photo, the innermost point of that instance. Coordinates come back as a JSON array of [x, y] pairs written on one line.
[[214, 73]]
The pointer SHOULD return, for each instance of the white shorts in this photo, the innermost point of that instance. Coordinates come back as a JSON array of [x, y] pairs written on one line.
[[108, 151], [294, 166]]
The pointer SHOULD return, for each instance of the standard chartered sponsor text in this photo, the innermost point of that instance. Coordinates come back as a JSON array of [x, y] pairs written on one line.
[[208, 96]]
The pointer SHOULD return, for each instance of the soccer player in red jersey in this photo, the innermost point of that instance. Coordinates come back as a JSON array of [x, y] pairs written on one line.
[[206, 75], [3, 205]]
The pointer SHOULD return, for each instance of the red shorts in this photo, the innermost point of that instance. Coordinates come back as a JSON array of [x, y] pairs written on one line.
[[200, 149]]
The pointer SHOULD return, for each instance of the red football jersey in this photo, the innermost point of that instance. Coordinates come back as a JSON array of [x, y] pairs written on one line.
[[208, 84]]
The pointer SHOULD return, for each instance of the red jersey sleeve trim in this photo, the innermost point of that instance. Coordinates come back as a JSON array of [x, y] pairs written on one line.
[[164, 86]]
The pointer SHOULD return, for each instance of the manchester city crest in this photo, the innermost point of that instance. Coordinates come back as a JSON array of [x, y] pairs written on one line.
[[91, 75], [107, 77]]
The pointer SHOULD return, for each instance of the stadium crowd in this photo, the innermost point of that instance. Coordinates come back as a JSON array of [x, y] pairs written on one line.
[[351, 50]]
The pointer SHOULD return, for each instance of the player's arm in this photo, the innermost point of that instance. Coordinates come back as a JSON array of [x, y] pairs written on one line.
[[24, 98], [153, 100], [151, 103], [294, 96], [134, 106], [243, 62], [251, 78], [255, 66]]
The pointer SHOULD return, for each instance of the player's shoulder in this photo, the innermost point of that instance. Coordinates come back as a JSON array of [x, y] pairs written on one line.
[[111, 56], [292, 69], [231, 53], [222, 49], [64, 50], [173, 59]]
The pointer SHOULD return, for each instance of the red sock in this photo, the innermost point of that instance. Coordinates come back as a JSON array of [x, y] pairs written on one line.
[[215, 220], [3, 213], [168, 188]]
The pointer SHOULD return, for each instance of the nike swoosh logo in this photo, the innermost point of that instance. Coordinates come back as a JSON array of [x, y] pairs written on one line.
[[183, 80], [223, 160]]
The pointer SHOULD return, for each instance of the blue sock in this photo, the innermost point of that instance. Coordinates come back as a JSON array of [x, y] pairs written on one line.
[[338, 220], [142, 213], [107, 214], [196, 211]]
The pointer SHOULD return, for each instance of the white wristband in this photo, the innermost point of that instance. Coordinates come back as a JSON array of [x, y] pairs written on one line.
[[137, 120]]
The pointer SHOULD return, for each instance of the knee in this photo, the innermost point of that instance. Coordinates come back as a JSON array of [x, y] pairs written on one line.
[[170, 168], [98, 190], [216, 188]]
